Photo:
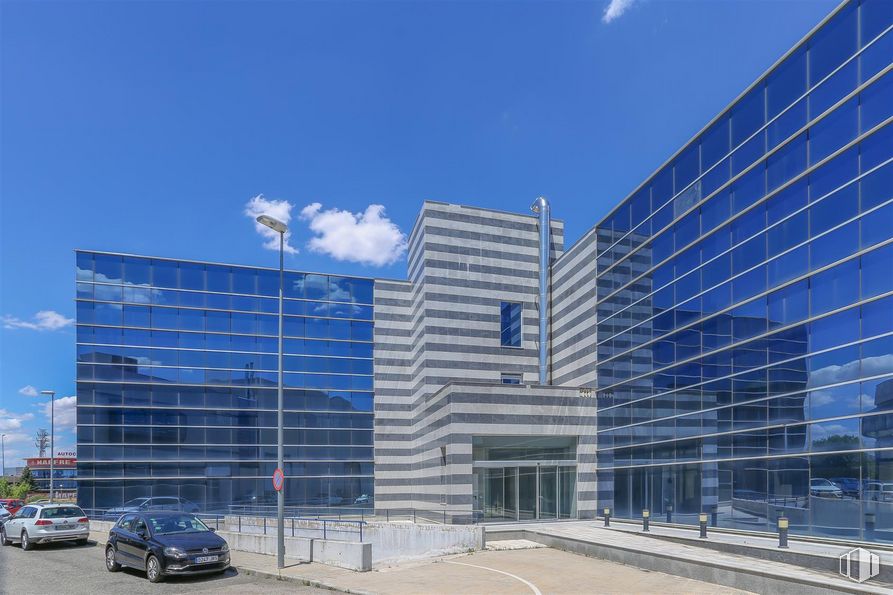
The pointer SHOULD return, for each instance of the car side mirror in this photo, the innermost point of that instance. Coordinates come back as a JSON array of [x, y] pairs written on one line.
[[212, 529], [144, 534]]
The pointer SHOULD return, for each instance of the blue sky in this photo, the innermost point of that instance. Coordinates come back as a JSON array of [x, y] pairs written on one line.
[[147, 127]]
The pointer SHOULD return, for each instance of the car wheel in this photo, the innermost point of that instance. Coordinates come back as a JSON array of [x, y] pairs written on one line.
[[26, 543], [153, 570], [110, 563], [3, 538]]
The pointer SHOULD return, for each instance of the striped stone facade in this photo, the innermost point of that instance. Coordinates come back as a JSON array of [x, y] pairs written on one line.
[[574, 335], [442, 327]]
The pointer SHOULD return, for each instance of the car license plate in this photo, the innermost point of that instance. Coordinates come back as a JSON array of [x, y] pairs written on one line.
[[205, 559], [64, 527]]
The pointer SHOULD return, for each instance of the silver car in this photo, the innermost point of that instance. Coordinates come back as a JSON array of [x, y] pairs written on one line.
[[43, 523], [4, 514]]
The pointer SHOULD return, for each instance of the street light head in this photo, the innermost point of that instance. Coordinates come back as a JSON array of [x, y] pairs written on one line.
[[48, 392], [274, 224]]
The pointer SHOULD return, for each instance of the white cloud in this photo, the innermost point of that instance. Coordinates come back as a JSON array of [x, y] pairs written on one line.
[[368, 237], [18, 445], [278, 209], [822, 431], [870, 366], [615, 10], [28, 391], [45, 320], [12, 421], [65, 412]]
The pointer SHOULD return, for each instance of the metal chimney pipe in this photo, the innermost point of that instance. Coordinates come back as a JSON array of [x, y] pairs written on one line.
[[541, 207]]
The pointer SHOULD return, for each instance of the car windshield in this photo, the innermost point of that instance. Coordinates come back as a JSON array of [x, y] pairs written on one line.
[[136, 502], [61, 512], [176, 523]]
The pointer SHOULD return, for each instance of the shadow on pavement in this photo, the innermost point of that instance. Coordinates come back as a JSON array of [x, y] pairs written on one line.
[[184, 579]]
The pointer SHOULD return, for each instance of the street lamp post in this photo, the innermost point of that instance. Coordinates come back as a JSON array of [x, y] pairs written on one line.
[[280, 228], [3, 454], [52, 395]]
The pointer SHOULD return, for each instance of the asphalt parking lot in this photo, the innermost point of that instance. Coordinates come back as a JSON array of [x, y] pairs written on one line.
[[68, 568]]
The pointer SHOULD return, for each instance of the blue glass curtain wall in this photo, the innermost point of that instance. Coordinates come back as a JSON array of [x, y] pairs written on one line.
[[177, 375], [745, 304]]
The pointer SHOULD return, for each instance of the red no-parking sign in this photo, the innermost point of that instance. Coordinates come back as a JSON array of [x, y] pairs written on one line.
[[278, 479]]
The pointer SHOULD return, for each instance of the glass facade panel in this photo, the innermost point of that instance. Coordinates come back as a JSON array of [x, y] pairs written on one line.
[[188, 393], [775, 342], [510, 324]]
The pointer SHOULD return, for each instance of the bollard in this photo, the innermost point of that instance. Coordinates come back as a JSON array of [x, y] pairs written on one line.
[[702, 520], [645, 514], [782, 532], [607, 517], [669, 513]]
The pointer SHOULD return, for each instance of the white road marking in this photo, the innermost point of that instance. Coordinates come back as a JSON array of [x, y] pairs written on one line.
[[526, 582]]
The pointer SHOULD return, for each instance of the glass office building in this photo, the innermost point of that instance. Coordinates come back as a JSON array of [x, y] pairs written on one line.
[[177, 376], [745, 304]]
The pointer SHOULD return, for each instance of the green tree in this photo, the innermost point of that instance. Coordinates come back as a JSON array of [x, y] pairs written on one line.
[[4, 487], [19, 491], [28, 480]]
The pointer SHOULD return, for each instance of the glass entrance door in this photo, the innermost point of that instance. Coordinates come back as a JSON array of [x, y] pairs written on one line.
[[548, 495], [526, 493], [542, 492]]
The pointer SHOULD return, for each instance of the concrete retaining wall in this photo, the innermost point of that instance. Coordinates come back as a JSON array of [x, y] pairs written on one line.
[[296, 548], [391, 541], [401, 541], [101, 526]]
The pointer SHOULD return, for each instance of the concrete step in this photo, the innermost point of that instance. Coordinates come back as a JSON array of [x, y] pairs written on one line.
[[730, 569], [512, 544]]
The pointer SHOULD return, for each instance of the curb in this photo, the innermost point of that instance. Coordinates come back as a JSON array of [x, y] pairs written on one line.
[[310, 582]]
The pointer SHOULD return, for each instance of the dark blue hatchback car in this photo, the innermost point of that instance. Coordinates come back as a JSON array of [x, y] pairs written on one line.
[[165, 543]]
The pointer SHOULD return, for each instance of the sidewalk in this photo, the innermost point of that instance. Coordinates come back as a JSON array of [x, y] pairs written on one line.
[[512, 571], [624, 544]]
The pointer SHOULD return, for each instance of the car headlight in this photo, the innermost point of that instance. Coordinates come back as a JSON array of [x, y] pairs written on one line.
[[224, 548], [174, 552]]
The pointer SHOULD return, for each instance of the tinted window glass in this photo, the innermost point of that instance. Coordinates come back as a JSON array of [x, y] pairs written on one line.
[[715, 143], [786, 83], [835, 130], [62, 512], [834, 174], [789, 161], [748, 115], [510, 324], [137, 270], [832, 44], [876, 16], [877, 102], [835, 288]]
